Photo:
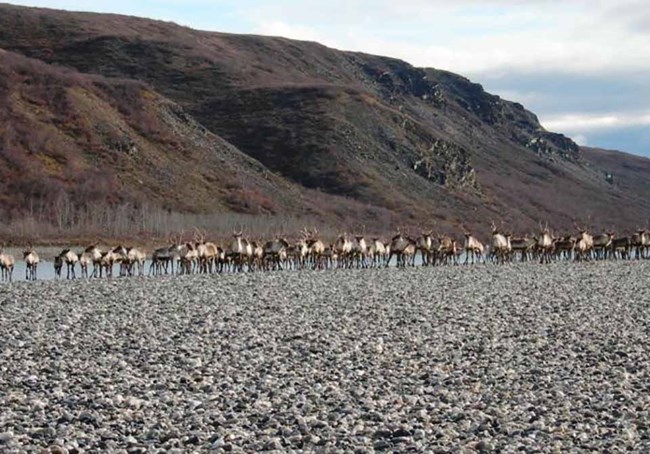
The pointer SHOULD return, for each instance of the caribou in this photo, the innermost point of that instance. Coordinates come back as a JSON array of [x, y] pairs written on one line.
[[120, 256], [545, 245], [85, 259], [257, 257], [7, 263], [329, 257], [359, 251], [377, 252], [403, 248], [565, 247], [58, 266], [620, 248], [585, 243], [343, 248], [501, 245], [301, 253], [31, 260], [408, 253], [640, 242], [316, 251], [424, 244], [524, 247], [239, 251], [208, 253], [135, 258], [603, 245], [163, 258], [94, 255], [107, 261], [70, 259], [473, 248], [446, 252], [274, 253], [187, 258], [347, 251]]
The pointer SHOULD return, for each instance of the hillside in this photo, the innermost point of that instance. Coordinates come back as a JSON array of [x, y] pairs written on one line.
[[87, 139], [365, 136]]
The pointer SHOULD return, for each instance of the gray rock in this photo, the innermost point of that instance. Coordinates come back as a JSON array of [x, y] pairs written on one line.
[[6, 437]]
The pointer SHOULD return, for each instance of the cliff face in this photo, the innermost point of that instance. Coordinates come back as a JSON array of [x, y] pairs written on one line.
[[364, 135]]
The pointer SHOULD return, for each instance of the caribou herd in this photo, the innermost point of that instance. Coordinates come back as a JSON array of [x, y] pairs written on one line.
[[309, 251]]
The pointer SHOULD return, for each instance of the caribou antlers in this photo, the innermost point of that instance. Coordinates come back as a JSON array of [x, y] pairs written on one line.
[[543, 228], [579, 228], [199, 235], [305, 234]]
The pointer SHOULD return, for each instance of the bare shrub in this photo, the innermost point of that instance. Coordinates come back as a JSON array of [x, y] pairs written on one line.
[[61, 220]]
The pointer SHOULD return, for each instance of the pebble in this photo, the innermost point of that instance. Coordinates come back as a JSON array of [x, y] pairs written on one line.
[[484, 358], [6, 437]]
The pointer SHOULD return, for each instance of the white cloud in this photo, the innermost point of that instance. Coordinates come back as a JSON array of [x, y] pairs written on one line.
[[589, 122], [580, 139], [471, 36]]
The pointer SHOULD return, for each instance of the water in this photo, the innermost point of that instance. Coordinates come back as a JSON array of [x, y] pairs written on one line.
[[45, 270]]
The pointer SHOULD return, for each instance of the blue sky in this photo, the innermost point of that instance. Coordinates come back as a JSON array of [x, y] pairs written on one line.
[[582, 66]]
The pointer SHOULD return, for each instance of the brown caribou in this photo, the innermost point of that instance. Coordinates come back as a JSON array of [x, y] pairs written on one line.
[[31, 263]]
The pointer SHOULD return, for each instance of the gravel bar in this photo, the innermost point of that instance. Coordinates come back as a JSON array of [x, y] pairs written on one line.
[[479, 358]]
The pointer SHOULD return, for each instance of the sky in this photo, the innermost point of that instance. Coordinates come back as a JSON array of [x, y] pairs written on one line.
[[582, 66]]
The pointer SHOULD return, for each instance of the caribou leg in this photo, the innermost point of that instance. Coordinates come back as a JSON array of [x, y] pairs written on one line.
[[390, 256]]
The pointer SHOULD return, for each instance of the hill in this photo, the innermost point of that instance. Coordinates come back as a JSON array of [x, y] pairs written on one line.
[[361, 138], [80, 139]]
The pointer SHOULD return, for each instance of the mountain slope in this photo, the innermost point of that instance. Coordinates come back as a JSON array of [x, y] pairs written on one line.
[[69, 137], [428, 145]]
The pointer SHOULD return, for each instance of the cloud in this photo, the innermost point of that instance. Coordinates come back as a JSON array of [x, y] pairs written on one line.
[[627, 131], [475, 37], [580, 139], [582, 122], [632, 14]]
